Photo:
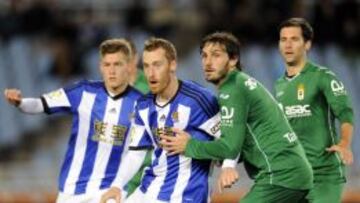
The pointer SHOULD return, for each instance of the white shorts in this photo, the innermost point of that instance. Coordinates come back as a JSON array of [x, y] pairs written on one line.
[[139, 196], [92, 197]]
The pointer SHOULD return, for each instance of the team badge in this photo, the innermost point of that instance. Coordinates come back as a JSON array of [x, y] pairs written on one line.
[[175, 117], [300, 92]]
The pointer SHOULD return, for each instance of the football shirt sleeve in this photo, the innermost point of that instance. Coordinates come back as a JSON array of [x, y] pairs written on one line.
[[234, 110], [337, 97], [62, 100]]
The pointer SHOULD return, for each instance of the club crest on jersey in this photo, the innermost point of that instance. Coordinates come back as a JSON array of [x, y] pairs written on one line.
[[300, 92], [251, 83], [175, 117]]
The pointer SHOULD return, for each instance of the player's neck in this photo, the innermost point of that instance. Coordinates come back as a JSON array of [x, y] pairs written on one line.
[[169, 92], [117, 90], [296, 68], [223, 78]]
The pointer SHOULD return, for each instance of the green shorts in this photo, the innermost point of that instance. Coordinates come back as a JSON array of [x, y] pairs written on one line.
[[136, 180], [326, 192], [274, 194]]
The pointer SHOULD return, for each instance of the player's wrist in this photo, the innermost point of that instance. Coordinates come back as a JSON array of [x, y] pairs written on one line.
[[344, 144], [188, 147], [18, 103]]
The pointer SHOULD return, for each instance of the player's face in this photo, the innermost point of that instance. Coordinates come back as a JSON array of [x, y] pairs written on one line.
[[216, 62], [114, 70], [158, 70], [292, 46]]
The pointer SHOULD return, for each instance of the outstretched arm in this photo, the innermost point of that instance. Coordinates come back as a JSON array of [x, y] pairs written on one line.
[[26, 105]]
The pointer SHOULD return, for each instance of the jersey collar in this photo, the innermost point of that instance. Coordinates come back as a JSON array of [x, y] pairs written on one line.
[[307, 66], [118, 96], [171, 100]]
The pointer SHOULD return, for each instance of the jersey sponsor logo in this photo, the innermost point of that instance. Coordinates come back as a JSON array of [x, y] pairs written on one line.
[[215, 128], [291, 137], [108, 133], [251, 83], [132, 134], [163, 130], [337, 88], [224, 96], [298, 111], [227, 114], [300, 92]]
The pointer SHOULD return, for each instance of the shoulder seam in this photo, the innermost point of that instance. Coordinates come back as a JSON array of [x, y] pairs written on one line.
[[203, 102]]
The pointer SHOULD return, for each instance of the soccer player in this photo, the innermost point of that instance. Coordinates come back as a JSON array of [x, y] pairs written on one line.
[[312, 98], [171, 103], [101, 112], [251, 124]]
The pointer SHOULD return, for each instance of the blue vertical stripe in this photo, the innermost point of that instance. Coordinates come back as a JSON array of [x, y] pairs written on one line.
[[98, 113], [69, 156], [172, 162], [197, 188]]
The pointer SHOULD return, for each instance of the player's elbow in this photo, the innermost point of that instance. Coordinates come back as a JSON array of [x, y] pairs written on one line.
[[230, 151]]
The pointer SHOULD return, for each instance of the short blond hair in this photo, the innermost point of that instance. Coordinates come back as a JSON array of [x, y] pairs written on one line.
[[155, 43], [111, 46]]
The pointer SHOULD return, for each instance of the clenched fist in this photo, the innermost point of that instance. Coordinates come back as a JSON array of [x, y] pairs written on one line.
[[13, 96]]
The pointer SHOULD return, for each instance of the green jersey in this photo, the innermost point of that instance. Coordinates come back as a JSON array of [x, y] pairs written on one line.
[[141, 83], [253, 124], [311, 101]]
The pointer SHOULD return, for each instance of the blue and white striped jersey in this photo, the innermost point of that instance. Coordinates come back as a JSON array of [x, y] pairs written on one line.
[[98, 134], [176, 178]]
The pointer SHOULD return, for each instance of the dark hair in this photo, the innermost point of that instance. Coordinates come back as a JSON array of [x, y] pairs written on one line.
[[115, 45], [306, 29], [231, 43], [155, 43]]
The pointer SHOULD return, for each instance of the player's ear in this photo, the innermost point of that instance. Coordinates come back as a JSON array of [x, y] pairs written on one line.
[[233, 61], [173, 65], [308, 45]]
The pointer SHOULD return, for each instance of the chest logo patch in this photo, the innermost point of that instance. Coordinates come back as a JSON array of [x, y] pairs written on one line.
[[300, 92], [251, 83]]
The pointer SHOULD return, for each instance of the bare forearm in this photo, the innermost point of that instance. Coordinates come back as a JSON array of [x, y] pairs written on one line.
[[346, 134]]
